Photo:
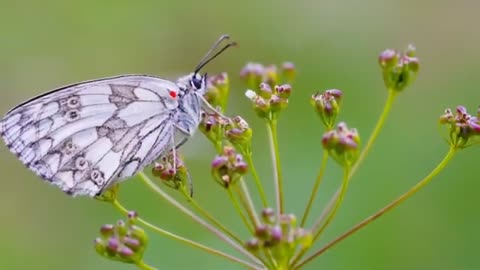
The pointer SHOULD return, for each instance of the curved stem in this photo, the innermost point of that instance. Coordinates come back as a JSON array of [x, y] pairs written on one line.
[[392, 94], [196, 218], [142, 265], [258, 183], [318, 181], [388, 207], [209, 217], [189, 242], [332, 214], [272, 135], [237, 207]]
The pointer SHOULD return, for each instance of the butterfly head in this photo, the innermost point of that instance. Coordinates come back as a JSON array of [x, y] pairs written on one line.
[[192, 83]]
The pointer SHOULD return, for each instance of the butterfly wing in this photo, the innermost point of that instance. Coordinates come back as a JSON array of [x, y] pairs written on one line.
[[86, 136]]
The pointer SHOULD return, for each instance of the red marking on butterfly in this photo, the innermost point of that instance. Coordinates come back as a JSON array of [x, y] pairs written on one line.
[[172, 93]]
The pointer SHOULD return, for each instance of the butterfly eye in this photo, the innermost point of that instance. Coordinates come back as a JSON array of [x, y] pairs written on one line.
[[196, 82]]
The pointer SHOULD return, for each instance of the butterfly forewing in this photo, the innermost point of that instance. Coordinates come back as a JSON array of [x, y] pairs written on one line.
[[84, 136]]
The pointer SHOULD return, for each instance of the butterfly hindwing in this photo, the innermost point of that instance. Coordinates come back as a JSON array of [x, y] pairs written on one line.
[[85, 136]]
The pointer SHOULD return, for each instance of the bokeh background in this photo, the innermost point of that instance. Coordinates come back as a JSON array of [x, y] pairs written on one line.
[[334, 44]]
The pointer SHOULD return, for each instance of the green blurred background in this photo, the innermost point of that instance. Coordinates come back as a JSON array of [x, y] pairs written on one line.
[[334, 44]]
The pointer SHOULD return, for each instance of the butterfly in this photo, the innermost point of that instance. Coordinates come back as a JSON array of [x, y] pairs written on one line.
[[87, 136]]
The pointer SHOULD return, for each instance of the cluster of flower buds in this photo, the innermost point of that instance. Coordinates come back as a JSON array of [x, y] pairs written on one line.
[[461, 125], [399, 69], [171, 170], [343, 144], [123, 241], [327, 105], [212, 126], [218, 87], [239, 134], [228, 167], [269, 97], [281, 237]]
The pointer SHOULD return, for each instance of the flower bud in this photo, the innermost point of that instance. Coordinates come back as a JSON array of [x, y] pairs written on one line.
[[107, 230], [218, 88], [327, 105], [288, 71], [239, 134], [253, 245], [252, 74], [270, 75], [268, 215]]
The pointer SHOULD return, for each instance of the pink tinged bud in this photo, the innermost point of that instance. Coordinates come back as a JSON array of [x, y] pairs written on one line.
[[388, 58], [125, 252], [219, 161], [335, 93], [253, 245], [241, 167], [283, 90], [288, 66], [265, 90], [113, 244], [261, 231], [411, 50], [268, 213], [107, 230], [413, 64], [276, 233], [474, 125], [131, 243], [132, 215], [99, 246]]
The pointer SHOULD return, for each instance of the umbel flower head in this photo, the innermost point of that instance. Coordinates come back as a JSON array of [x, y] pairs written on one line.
[[268, 95], [228, 167], [218, 88], [399, 69], [171, 170], [123, 241], [281, 237], [343, 144], [462, 127], [327, 105]]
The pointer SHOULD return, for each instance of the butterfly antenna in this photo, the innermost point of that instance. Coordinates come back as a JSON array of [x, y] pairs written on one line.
[[209, 56]]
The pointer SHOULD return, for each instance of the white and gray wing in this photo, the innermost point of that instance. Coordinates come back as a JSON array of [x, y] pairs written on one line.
[[84, 137]]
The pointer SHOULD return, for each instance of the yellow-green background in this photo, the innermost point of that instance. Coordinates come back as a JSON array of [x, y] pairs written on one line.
[[334, 44]]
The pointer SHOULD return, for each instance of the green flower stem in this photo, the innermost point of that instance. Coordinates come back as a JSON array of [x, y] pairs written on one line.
[[318, 181], [251, 166], [189, 242], [237, 207], [388, 207], [207, 216], [272, 135], [150, 184], [142, 265], [332, 214], [247, 202], [392, 94]]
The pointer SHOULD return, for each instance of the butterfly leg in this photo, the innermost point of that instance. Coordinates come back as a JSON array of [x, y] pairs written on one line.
[[184, 134], [208, 108]]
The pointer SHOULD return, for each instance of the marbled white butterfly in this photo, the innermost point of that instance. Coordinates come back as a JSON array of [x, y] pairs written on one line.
[[87, 136]]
